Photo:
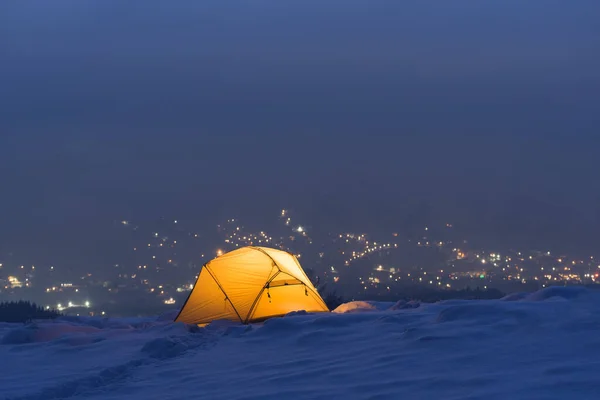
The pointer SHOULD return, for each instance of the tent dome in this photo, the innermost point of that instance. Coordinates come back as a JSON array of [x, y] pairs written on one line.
[[250, 284]]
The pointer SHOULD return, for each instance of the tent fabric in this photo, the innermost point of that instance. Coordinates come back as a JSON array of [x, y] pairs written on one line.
[[250, 284]]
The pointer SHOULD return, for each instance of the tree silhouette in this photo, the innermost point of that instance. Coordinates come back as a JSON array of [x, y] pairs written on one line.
[[24, 311], [331, 298]]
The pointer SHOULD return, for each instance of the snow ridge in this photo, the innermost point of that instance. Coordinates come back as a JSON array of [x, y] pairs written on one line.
[[541, 345]]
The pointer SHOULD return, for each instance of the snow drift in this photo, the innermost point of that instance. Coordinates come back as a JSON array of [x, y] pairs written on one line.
[[543, 345]]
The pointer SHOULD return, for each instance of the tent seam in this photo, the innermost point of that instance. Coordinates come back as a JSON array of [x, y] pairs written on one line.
[[277, 265], [255, 303], [251, 310], [223, 290], [190, 295], [268, 255], [301, 269]]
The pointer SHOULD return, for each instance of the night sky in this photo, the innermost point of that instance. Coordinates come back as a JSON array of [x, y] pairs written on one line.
[[354, 113]]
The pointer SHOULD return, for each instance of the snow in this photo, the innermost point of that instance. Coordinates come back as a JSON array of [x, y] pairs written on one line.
[[542, 345]]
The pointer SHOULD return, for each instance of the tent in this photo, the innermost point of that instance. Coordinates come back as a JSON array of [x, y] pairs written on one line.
[[250, 284]]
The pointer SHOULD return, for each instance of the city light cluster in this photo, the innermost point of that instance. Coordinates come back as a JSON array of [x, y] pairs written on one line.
[[166, 260]]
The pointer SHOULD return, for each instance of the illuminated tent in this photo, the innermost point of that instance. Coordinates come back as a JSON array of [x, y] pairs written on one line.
[[250, 284]]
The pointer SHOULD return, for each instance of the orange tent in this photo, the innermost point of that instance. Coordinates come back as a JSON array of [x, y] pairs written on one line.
[[250, 284]]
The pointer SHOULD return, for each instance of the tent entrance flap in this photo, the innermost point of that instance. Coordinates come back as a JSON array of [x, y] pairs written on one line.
[[248, 284]]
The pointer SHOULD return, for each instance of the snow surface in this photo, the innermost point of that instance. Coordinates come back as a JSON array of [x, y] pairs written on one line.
[[544, 345]]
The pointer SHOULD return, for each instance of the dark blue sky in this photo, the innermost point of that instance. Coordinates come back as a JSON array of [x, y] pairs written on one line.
[[349, 111]]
